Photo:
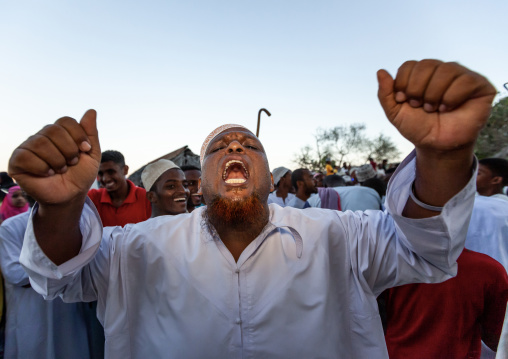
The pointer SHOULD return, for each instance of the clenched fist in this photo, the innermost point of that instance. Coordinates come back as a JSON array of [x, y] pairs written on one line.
[[436, 105], [60, 162]]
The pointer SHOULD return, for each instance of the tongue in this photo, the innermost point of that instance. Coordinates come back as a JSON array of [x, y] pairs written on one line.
[[235, 173]]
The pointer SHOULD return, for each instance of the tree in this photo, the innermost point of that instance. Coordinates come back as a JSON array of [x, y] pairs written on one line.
[[493, 139], [381, 148], [346, 139], [344, 143], [305, 159], [314, 159]]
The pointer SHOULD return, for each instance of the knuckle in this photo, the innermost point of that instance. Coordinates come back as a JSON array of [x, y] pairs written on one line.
[[15, 161], [430, 62], [51, 130], [409, 63], [66, 121], [33, 142], [71, 126], [450, 67], [470, 79]]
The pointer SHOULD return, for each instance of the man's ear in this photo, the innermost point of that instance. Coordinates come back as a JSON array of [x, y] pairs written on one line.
[[496, 180], [125, 170], [272, 185], [151, 197], [199, 187]]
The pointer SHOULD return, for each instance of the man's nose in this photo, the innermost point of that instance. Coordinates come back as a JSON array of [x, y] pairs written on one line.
[[234, 146], [181, 188]]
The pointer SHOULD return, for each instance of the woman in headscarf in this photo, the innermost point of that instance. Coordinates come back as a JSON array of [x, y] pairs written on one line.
[[13, 204]]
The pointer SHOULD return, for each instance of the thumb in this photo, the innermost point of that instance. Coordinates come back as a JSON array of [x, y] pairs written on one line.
[[89, 124], [386, 95]]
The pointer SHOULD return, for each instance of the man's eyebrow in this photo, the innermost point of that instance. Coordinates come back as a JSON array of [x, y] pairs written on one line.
[[247, 136], [173, 180], [215, 141]]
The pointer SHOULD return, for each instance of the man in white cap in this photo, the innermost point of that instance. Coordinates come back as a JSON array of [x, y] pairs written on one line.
[[239, 278], [365, 172], [167, 188], [283, 185], [305, 186]]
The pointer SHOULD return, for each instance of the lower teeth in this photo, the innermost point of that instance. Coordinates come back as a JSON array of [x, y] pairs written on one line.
[[235, 180]]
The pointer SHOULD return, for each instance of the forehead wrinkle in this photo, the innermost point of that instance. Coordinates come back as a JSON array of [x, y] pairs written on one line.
[[229, 133]]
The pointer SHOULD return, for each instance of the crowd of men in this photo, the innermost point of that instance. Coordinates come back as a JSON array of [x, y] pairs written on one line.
[[233, 259]]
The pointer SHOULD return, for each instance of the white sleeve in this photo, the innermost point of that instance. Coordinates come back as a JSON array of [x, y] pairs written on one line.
[[404, 250], [82, 278], [454, 218], [11, 240]]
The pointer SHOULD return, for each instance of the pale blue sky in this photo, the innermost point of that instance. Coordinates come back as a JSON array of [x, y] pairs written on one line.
[[163, 74]]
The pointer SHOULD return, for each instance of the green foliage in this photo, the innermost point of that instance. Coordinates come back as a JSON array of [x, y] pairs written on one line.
[[381, 148], [345, 139], [493, 139], [342, 143]]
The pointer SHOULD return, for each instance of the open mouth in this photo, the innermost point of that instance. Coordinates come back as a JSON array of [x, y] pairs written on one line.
[[181, 199], [235, 172]]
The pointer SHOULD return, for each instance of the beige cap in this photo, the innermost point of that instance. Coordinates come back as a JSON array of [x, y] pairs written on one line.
[[154, 170]]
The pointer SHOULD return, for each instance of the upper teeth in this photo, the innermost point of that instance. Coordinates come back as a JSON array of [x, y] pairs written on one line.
[[179, 199], [226, 169]]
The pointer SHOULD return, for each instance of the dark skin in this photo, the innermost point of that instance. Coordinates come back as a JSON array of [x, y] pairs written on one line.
[[18, 199], [193, 184], [305, 187], [111, 176], [488, 184], [169, 194], [237, 144], [439, 107], [318, 179], [284, 186]]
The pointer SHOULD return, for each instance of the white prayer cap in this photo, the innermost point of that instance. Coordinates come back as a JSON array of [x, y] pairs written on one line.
[[214, 134], [154, 170], [278, 173], [365, 172]]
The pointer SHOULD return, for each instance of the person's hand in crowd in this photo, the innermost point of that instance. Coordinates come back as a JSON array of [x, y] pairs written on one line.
[[60, 162]]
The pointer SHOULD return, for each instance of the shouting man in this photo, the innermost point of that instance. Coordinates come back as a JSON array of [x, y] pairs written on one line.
[[239, 278]]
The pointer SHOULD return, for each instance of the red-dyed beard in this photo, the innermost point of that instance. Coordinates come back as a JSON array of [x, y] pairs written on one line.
[[247, 214]]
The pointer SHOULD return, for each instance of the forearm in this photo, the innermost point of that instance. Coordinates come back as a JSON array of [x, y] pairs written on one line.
[[56, 228], [439, 176]]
